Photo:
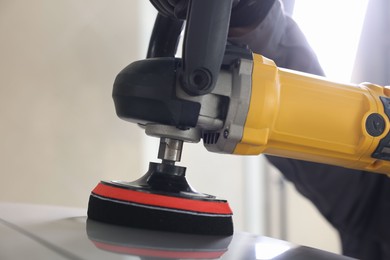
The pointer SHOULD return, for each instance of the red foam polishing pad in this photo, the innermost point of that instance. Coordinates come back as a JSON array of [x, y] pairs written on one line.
[[176, 212]]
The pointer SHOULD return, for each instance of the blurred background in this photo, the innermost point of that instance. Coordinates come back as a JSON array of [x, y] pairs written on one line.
[[60, 135]]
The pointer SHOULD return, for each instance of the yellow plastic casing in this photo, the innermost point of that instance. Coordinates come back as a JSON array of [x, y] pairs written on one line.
[[301, 116]]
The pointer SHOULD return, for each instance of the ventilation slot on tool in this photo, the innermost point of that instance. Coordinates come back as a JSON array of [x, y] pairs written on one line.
[[210, 138]]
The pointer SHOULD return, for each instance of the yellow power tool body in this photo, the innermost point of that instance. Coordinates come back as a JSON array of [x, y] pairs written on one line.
[[301, 116], [256, 107]]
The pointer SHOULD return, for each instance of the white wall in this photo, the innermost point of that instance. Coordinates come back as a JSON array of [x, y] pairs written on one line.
[[59, 131], [292, 217], [306, 226]]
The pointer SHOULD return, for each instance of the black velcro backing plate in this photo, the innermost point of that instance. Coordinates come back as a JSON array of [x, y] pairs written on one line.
[[153, 218]]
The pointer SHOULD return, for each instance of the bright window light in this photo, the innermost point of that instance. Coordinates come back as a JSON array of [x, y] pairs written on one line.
[[333, 29]]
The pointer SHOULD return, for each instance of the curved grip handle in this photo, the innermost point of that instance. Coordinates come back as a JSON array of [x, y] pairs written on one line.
[[165, 37], [204, 44]]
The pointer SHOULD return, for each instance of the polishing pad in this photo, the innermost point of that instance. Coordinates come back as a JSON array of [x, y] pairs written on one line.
[[160, 200]]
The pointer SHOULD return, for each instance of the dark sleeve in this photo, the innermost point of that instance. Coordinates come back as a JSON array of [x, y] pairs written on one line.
[[356, 203]]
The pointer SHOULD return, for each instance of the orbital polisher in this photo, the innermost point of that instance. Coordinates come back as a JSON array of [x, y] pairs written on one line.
[[238, 102]]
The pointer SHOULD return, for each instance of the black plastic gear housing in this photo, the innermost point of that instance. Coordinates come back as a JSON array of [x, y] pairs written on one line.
[[145, 92]]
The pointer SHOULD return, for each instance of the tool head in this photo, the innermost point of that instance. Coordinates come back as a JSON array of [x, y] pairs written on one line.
[[161, 200]]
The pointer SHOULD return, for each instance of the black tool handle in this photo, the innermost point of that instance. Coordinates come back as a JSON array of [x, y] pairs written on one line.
[[204, 44], [165, 37]]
